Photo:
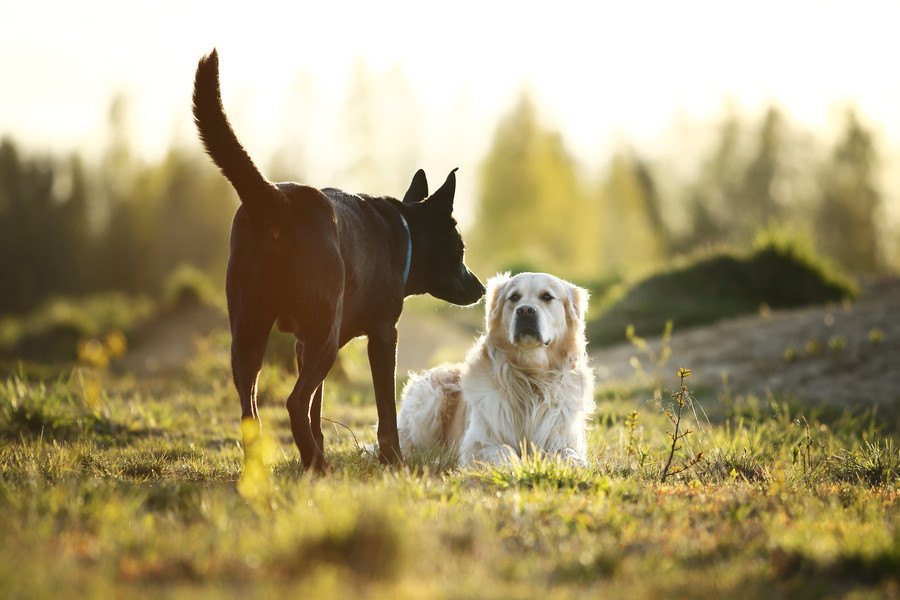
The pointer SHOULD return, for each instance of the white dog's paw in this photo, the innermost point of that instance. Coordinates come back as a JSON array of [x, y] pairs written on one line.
[[573, 457], [499, 455]]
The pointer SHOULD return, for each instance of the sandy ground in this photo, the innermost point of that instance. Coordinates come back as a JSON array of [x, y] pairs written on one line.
[[835, 360], [847, 355]]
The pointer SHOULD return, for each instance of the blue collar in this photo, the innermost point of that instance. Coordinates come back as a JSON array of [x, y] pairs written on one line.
[[408, 250]]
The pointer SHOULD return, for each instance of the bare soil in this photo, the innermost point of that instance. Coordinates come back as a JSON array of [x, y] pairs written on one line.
[[845, 355]]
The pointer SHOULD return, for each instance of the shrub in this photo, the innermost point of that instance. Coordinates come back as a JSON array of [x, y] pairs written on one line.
[[725, 284]]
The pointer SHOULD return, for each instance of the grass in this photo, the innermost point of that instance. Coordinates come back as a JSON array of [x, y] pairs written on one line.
[[116, 487], [58, 330], [778, 274]]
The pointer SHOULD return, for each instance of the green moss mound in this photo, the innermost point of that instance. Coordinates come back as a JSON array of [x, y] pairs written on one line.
[[725, 284]]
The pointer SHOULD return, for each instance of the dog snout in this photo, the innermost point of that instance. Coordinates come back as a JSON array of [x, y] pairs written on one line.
[[525, 311]]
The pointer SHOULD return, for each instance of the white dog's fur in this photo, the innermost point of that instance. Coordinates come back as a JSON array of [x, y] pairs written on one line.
[[518, 389]]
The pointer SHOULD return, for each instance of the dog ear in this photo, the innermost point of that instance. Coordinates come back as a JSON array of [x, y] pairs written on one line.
[[442, 199], [577, 303], [496, 286], [418, 188]]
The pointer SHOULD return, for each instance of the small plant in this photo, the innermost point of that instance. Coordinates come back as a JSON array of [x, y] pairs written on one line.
[[790, 353], [631, 424], [681, 397], [802, 452], [875, 463], [812, 347], [632, 445], [187, 287], [876, 335], [837, 343]]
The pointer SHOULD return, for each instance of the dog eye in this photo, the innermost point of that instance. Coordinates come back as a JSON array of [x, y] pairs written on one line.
[[514, 297], [547, 297]]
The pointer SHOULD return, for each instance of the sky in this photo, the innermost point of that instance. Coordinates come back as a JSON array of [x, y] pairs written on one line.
[[600, 72]]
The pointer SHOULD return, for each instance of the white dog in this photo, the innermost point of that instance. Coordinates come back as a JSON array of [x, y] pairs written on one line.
[[525, 383]]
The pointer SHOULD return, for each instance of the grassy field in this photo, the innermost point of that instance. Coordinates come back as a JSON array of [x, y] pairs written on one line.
[[113, 486]]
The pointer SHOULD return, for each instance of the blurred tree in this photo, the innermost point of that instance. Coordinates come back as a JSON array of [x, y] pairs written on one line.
[[382, 130], [847, 219], [44, 232], [633, 235], [196, 206], [755, 205], [176, 211], [738, 194], [118, 254], [28, 243], [710, 198], [296, 144], [361, 116], [532, 212], [72, 265]]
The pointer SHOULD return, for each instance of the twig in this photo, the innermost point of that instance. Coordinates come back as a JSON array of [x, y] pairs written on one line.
[[355, 441]]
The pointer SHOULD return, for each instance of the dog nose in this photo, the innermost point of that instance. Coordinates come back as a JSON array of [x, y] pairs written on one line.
[[525, 311]]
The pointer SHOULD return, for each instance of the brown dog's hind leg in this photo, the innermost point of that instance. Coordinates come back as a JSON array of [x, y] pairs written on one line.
[[315, 411], [248, 345], [317, 360]]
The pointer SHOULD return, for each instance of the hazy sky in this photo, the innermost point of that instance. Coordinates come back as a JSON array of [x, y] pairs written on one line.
[[600, 71]]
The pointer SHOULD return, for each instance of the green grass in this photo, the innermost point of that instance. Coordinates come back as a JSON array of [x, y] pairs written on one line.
[[778, 274], [54, 331], [116, 488]]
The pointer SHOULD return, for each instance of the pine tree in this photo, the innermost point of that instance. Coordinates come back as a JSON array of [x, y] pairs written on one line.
[[847, 219], [532, 213]]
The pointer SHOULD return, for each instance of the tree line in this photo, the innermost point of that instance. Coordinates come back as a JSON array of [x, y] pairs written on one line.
[[537, 208], [70, 228]]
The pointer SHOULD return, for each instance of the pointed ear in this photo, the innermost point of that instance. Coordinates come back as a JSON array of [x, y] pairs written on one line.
[[418, 188], [442, 199]]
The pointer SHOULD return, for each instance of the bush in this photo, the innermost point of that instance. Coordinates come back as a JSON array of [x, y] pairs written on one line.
[[54, 331], [779, 273], [188, 287]]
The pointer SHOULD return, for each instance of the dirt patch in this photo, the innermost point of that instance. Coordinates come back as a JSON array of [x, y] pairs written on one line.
[[847, 355], [168, 342]]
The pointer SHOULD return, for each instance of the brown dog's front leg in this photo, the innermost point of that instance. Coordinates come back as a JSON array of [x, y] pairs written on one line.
[[315, 417], [383, 362]]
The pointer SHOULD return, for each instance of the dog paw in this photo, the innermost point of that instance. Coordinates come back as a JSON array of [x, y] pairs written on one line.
[[390, 456], [572, 457], [318, 465]]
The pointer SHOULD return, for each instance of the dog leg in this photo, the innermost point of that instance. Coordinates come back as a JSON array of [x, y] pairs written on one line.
[[299, 404], [315, 411], [248, 345], [571, 455], [315, 417], [383, 363]]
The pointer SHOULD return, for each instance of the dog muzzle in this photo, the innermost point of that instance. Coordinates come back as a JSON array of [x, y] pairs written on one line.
[[527, 328]]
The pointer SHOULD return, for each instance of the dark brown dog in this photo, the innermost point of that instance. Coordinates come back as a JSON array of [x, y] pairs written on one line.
[[328, 266]]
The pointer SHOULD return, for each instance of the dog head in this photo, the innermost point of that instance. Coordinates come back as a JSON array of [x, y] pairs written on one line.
[[438, 247], [538, 319]]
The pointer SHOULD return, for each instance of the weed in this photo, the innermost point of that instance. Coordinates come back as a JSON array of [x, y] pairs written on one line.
[[875, 463], [876, 335], [681, 398], [536, 470]]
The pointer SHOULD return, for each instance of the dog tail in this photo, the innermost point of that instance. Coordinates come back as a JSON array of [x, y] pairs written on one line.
[[260, 197]]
